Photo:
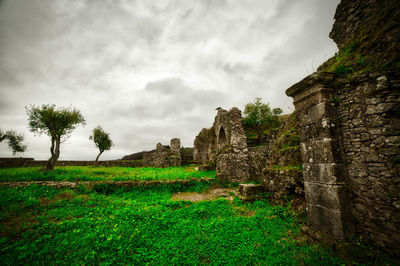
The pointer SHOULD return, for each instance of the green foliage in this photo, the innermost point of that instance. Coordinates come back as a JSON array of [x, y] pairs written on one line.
[[55, 122], [14, 141], [147, 227], [259, 117], [342, 70], [87, 173], [288, 147], [101, 139], [288, 167]]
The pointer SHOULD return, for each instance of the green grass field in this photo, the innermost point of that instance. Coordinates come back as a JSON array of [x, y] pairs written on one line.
[[43, 225], [89, 173]]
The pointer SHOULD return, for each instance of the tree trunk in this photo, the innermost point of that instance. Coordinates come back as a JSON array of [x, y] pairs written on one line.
[[55, 153], [97, 158]]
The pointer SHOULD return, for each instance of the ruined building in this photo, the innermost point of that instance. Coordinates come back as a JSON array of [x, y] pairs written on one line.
[[349, 124], [348, 120], [224, 144], [276, 163], [164, 156]]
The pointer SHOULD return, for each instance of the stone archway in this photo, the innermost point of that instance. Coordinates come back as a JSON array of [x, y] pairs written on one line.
[[221, 138]]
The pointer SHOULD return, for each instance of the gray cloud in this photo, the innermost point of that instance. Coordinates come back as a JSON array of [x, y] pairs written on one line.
[[148, 71]]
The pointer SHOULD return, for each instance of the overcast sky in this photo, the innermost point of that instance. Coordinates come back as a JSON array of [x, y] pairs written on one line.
[[148, 71]]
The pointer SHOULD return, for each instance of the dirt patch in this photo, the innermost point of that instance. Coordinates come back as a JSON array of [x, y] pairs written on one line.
[[16, 224], [227, 193], [242, 211], [66, 195]]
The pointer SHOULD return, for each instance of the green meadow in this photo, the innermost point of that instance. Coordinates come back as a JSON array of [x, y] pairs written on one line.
[[143, 225], [89, 173]]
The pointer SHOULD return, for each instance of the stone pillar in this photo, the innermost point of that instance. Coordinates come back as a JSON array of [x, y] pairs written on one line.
[[175, 146], [175, 156], [324, 171], [232, 163]]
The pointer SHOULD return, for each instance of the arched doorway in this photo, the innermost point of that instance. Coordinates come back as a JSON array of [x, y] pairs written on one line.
[[221, 137]]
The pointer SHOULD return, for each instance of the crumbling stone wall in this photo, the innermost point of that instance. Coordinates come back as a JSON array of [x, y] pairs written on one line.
[[283, 172], [164, 157], [258, 160], [276, 164], [368, 111], [205, 146], [232, 161], [350, 128], [15, 162], [224, 144]]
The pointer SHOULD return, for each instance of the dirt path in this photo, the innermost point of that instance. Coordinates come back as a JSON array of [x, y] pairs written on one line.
[[227, 193]]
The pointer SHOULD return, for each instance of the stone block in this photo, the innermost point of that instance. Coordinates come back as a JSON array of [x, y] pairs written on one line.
[[175, 146], [314, 131], [323, 151], [316, 113], [249, 192], [283, 180], [234, 167], [327, 173], [329, 196], [333, 222]]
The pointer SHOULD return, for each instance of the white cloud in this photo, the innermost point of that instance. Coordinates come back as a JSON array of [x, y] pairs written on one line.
[[148, 71]]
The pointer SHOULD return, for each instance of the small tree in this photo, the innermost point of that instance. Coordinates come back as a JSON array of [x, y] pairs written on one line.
[[102, 141], [58, 123], [14, 140], [259, 117]]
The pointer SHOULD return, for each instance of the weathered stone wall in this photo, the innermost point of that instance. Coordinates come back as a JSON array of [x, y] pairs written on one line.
[[224, 145], [232, 161], [349, 125], [276, 162], [282, 174], [175, 147], [15, 162], [325, 180], [368, 111], [205, 146], [30, 162], [378, 20], [258, 160], [164, 157]]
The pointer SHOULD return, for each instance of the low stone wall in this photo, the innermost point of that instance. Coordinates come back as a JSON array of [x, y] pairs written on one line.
[[100, 184], [30, 162], [258, 160], [15, 162], [164, 157]]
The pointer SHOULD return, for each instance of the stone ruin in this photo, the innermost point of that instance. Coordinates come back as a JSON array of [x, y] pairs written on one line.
[[224, 146], [348, 119], [349, 124], [164, 156], [276, 164]]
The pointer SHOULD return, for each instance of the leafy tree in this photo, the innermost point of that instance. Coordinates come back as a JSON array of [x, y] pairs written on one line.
[[58, 123], [14, 140], [102, 141], [259, 117]]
